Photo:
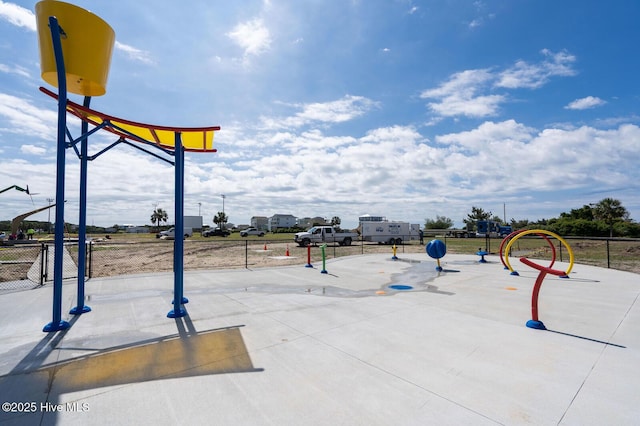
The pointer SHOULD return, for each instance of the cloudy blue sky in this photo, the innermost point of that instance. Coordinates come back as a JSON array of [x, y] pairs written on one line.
[[406, 109]]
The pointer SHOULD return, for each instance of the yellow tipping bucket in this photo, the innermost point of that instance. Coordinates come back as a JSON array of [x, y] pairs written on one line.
[[87, 44]]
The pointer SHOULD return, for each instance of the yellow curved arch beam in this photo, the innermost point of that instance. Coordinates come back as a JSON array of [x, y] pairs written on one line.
[[194, 139], [539, 231]]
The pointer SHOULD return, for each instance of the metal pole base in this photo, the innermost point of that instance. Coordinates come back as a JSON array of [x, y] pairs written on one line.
[[53, 326], [79, 310], [538, 325], [176, 314]]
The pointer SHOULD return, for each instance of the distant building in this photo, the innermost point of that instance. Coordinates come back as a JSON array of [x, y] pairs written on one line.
[[137, 229], [308, 222], [281, 221], [370, 218], [260, 222]]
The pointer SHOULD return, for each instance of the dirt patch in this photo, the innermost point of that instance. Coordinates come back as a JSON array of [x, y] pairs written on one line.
[[120, 259]]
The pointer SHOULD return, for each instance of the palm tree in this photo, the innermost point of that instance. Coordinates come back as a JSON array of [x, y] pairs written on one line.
[[610, 211], [220, 219], [159, 215]]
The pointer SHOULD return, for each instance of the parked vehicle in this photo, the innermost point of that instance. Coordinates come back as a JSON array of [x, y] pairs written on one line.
[[251, 231], [460, 233], [170, 233], [324, 234], [216, 232], [492, 229], [386, 232]]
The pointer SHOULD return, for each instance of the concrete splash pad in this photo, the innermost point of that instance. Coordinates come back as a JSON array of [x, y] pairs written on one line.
[[267, 347]]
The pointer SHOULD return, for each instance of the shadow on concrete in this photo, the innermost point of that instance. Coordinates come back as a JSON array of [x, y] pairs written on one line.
[[188, 353], [587, 338]]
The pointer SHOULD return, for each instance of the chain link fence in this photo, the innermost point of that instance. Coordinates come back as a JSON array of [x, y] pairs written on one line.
[[25, 266]]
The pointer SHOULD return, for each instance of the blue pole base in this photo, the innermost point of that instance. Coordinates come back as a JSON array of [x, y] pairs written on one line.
[[176, 314], [515, 273], [324, 271], [538, 325], [53, 326], [439, 268], [308, 265], [183, 302], [79, 310]]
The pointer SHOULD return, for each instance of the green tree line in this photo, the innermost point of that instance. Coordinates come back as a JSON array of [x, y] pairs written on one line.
[[606, 218]]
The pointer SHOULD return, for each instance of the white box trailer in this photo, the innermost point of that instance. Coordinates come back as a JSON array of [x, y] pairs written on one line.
[[389, 232], [194, 222]]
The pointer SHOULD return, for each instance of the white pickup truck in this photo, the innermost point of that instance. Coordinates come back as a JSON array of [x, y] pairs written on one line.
[[324, 234], [170, 233]]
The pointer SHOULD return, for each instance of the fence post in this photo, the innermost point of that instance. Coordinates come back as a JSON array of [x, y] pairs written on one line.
[[246, 254], [608, 264], [90, 265], [46, 262], [560, 247], [42, 264]]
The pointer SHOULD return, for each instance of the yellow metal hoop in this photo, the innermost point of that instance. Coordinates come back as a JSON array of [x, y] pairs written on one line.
[[538, 231]]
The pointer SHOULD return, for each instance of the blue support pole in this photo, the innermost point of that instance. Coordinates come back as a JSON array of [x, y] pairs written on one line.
[[178, 241], [57, 323], [81, 308]]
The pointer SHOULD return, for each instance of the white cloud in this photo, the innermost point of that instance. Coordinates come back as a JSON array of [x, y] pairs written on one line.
[[464, 84], [252, 36], [133, 53], [489, 133], [17, 15], [468, 93], [586, 103], [33, 150], [344, 109], [26, 119], [341, 110], [478, 106], [458, 95], [532, 76], [392, 170], [16, 69]]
